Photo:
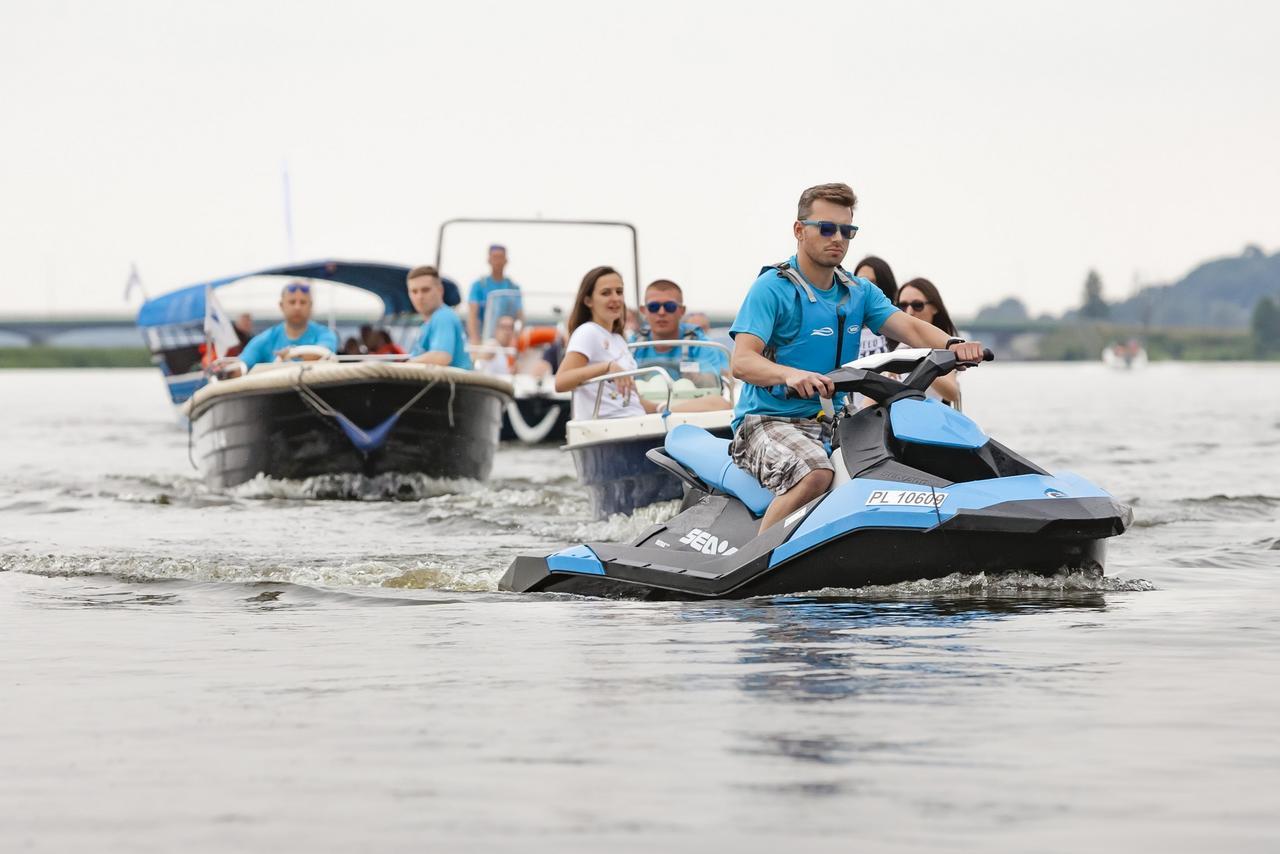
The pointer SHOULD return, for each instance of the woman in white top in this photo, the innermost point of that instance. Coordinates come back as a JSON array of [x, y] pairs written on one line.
[[596, 347]]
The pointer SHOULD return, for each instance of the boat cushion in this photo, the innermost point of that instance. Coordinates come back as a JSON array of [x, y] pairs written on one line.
[[708, 458]]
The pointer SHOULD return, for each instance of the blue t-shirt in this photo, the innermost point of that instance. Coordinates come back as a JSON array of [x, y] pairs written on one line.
[[710, 359], [263, 346], [772, 313], [443, 333], [481, 288]]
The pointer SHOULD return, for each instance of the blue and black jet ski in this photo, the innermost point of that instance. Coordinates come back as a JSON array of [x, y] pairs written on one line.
[[919, 492]]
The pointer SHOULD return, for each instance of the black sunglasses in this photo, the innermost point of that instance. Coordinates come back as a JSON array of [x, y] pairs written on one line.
[[297, 286], [827, 228], [917, 304], [669, 306]]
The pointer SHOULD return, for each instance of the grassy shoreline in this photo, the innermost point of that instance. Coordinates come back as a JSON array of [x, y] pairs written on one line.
[[74, 357]]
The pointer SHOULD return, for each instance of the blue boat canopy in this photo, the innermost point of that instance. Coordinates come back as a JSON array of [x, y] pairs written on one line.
[[387, 281]]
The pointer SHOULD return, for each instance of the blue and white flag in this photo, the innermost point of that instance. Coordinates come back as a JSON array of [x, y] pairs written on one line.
[[218, 329]]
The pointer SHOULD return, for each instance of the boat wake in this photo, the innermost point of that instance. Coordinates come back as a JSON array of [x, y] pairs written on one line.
[[1010, 584], [354, 487]]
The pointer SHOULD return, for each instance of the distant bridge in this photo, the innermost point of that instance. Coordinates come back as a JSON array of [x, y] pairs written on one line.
[[45, 331], [39, 331]]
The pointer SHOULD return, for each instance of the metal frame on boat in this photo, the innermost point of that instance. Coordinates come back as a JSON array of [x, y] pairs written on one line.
[[538, 413]]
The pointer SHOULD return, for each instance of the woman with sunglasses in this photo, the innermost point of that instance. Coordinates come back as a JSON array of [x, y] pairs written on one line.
[[920, 298], [296, 330], [596, 348]]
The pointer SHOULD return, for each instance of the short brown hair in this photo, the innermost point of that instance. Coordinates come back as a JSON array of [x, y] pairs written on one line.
[[422, 270], [665, 285], [841, 194]]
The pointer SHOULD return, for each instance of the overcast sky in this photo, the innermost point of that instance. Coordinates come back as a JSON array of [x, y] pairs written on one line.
[[998, 148]]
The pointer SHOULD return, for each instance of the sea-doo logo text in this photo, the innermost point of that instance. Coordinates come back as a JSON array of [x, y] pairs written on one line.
[[853, 330], [823, 331], [903, 498], [700, 540]]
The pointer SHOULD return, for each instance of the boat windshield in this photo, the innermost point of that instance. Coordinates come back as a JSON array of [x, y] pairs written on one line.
[[697, 368]]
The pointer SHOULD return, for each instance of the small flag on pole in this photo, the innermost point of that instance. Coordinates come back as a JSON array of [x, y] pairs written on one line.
[[218, 329]]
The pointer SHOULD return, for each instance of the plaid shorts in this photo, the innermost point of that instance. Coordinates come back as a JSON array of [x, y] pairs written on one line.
[[779, 452]]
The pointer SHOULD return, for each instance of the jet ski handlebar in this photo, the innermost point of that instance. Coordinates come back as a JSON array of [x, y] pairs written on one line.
[[921, 366]]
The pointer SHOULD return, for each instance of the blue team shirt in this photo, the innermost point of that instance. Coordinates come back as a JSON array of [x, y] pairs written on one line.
[[443, 333], [772, 313], [263, 346], [710, 360], [481, 288]]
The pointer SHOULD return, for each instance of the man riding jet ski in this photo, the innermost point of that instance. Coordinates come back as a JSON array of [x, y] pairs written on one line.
[[919, 491]]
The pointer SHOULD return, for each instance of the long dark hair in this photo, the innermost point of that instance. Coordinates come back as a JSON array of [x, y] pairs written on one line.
[[942, 319], [885, 280], [581, 313]]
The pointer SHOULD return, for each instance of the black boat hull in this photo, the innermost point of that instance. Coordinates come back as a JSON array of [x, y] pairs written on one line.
[[451, 431]]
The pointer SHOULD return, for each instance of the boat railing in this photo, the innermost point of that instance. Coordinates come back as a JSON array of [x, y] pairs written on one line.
[[599, 381], [219, 369]]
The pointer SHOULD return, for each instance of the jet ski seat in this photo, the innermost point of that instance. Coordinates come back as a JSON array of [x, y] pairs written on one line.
[[708, 458]]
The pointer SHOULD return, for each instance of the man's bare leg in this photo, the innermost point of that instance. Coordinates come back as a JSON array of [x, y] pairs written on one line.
[[812, 485]]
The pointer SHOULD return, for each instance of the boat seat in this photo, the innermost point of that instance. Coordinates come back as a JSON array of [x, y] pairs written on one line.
[[708, 458]]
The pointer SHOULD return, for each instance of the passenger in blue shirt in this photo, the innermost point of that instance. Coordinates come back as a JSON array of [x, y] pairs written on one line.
[[482, 287], [663, 309], [800, 320], [296, 330], [442, 340]]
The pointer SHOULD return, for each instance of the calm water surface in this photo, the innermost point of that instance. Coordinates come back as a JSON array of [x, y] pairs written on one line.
[[272, 669]]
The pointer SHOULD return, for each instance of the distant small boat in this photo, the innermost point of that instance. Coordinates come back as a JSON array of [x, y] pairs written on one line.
[[1126, 356]]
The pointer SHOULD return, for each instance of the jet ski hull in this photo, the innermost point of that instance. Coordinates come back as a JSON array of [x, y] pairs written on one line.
[[1045, 537]]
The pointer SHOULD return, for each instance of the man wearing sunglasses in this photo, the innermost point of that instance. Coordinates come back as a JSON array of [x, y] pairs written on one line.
[[663, 309], [801, 319], [295, 331]]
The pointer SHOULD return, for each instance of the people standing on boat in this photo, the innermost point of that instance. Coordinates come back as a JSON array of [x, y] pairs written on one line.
[[800, 319], [296, 330], [596, 348], [921, 299], [481, 288], [663, 309], [442, 340]]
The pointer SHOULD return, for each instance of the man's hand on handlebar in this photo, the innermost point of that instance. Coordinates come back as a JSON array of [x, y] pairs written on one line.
[[808, 384], [967, 353]]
